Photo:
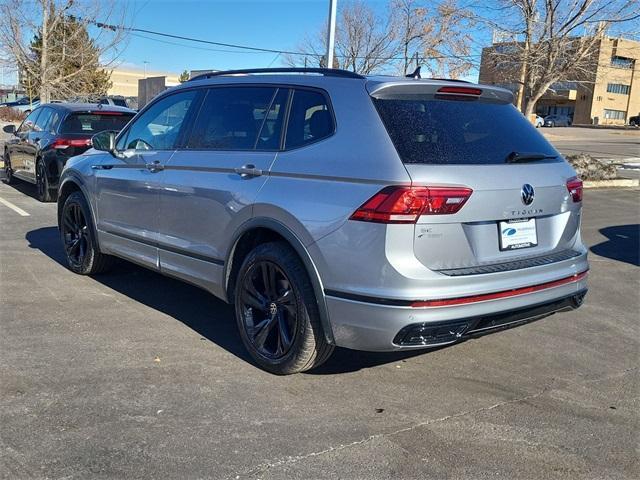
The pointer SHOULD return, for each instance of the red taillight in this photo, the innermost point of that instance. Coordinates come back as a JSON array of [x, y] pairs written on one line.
[[460, 90], [62, 143], [574, 186], [406, 204]]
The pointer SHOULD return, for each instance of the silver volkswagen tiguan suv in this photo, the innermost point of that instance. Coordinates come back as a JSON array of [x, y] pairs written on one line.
[[374, 213]]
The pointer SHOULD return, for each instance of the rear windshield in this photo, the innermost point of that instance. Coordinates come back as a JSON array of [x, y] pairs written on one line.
[[454, 132], [92, 123]]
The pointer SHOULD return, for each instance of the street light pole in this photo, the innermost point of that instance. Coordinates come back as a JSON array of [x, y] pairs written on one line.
[[331, 35]]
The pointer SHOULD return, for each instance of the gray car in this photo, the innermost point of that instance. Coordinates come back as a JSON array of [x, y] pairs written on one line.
[[373, 213]]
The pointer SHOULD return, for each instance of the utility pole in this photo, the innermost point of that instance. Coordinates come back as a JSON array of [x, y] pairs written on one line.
[[331, 34], [145, 68]]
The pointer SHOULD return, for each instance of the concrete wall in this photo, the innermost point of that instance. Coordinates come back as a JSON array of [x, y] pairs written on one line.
[[125, 81], [148, 88]]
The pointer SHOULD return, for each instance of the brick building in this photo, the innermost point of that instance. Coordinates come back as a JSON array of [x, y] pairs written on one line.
[[610, 94]]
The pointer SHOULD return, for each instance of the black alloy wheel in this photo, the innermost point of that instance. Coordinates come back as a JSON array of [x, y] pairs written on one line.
[[277, 311], [269, 309], [8, 173], [42, 184], [75, 233]]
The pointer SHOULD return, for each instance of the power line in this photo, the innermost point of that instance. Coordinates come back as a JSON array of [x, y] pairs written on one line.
[[244, 47]]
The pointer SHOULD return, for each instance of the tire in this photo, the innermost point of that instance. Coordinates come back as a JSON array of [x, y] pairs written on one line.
[[273, 289], [43, 192], [78, 238], [9, 178]]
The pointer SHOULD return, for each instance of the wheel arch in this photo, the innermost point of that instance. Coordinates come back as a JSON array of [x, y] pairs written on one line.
[[67, 186], [50, 166], [262, 230]]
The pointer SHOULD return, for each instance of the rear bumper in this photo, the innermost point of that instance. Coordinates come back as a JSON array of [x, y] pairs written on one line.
[[387, 326]]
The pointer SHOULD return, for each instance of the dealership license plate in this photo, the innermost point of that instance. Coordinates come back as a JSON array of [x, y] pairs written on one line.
[[520, 233]]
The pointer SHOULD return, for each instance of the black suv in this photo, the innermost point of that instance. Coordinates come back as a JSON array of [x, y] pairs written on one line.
[[52, 134]]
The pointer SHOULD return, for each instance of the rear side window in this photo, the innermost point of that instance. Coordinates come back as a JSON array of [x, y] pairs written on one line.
[[92, 123], [453, 132], [310, 119], [239, 118]]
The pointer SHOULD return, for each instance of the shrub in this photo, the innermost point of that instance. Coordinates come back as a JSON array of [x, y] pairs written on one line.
[[11, 115], [589, 168]]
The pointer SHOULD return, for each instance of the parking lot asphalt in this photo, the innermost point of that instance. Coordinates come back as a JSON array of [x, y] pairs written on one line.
[[134, 375], [602, 143]]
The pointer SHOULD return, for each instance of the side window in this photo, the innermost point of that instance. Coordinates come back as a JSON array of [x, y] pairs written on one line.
[[269, 138], [43, 120], [160, 126], [310, 119], [52, 127], [234, 118], [29, 122]]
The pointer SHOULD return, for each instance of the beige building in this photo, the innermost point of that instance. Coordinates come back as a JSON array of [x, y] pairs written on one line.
[[609, 95], [125, 80]]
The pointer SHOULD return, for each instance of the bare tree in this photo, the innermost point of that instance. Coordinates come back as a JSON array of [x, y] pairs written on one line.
[[365, 41], [439, 35], [35, 37], [370, 40], [547, 41]]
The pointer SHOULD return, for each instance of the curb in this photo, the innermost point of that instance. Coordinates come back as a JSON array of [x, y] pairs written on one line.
[[605, 127], [616, 183]]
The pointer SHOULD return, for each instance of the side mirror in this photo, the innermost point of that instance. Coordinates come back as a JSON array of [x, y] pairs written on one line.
[[104, 141], [9, 129]]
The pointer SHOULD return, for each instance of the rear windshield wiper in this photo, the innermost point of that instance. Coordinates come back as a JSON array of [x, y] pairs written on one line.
[[516, 157]]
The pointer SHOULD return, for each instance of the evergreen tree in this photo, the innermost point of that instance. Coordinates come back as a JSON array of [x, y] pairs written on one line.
[[73, 60], [184, 76]]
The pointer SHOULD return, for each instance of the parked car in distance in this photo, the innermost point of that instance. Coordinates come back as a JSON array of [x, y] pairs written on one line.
[[373, 213], [557, 121], [112, 100], [49, 136], [24, 104], [539, 121], [634, 121]]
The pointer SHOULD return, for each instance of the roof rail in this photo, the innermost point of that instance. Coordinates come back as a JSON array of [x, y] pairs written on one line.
[[329, 72]]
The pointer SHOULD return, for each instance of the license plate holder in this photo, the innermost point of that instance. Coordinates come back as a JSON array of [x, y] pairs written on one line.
[[517, 233]]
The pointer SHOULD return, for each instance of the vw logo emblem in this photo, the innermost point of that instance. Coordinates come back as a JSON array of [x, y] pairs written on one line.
[[527, 194]]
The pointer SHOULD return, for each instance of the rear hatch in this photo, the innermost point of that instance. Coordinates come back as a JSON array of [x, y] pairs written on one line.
[[75, 132], [454, 135]]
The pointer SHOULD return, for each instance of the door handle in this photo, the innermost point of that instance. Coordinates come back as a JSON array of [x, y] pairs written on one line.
[[155, 166], [248, 171]]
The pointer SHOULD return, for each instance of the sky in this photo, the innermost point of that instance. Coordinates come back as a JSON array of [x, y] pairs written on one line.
[[262, 23], [280, 24], [265, 23]]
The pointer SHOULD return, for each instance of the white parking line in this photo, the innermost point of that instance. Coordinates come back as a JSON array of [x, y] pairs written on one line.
[[18, 210]]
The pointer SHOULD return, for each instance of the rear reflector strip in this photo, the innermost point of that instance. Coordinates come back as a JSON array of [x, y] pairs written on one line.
[[497, 295]]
